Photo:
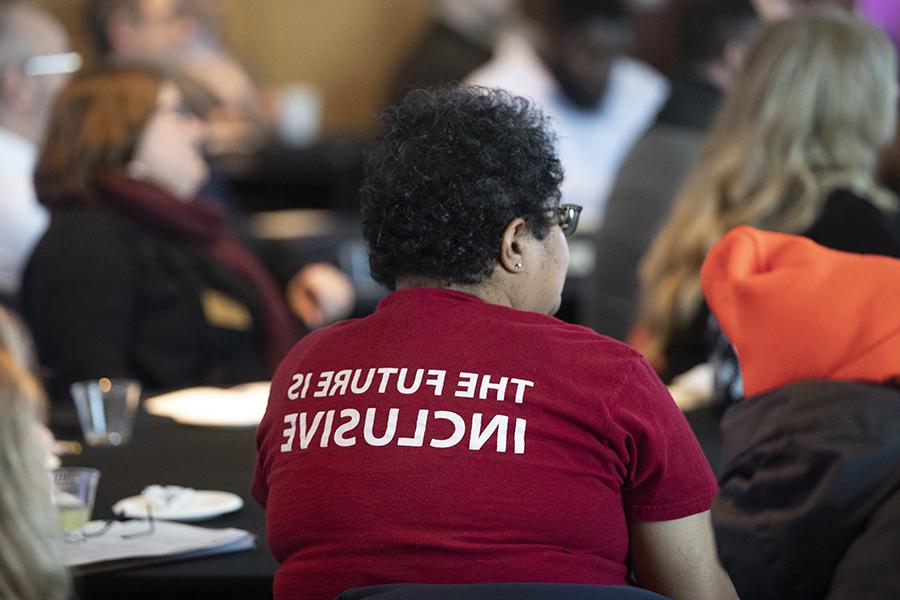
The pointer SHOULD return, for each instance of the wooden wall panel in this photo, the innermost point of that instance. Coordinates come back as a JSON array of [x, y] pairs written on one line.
[[349, 49]]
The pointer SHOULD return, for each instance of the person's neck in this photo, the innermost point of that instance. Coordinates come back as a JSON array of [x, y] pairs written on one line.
[[485, 292]]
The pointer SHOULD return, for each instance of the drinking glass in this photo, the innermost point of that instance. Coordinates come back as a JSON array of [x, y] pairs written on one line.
[[73, 490], [106, 409]]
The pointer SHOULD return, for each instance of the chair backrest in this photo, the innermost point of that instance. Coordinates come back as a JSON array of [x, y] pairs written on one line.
[[498, 591]]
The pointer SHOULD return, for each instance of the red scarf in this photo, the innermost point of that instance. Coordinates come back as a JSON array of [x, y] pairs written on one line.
[[202, 221]]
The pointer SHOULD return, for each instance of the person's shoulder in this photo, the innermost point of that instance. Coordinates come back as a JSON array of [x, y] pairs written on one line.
[[328, 335], [850, 202], [635, 94], [635, 75], [852, 222], [515, 68], [88, 219], [579, 340], [83, 229]]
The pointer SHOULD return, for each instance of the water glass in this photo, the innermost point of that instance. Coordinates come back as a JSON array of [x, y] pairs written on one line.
[[106, 409]]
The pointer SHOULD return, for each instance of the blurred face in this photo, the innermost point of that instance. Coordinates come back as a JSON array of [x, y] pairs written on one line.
[[157, 34], [581, 58], [169, 152], [28, 92]]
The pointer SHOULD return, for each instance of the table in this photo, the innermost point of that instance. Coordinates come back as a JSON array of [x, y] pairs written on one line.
[[164, 452]]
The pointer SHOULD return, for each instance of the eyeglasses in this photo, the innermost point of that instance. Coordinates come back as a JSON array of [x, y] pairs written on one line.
[[61, 63], [567, 215], [119, 518]]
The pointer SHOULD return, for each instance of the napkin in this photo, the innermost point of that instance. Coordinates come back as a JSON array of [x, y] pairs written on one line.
[[168, 497]]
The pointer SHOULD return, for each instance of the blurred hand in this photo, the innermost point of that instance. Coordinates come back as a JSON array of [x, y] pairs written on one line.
[[320, 294]]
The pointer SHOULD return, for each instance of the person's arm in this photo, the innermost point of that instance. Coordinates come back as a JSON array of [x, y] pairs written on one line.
[[678, 559], [320, 294]]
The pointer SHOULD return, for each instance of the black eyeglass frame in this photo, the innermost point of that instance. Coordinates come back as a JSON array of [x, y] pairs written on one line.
[[567, 215], [151, 526]]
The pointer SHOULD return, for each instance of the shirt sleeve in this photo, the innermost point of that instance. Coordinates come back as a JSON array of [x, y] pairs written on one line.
[[667, 476]]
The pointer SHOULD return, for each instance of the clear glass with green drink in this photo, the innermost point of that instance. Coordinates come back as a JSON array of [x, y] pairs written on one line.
[[73, 490]]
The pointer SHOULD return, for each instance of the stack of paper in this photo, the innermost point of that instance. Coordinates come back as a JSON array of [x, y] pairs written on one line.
[[169, 541]]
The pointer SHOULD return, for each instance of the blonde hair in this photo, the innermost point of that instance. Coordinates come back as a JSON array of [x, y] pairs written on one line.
[[30, 565], [808, 115], [15, 339]]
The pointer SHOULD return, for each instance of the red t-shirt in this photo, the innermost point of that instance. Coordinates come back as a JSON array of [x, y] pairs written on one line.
[[446, 440]]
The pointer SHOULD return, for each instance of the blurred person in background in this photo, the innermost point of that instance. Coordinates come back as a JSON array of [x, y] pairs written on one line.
[[147, 31], [713, 37], [459, 38], [30, 563], [569, 57], [793, 150], [137, 276], [594, 472], [182, 37], [35, 59], [207, 60], [712, 43], [809, 506]]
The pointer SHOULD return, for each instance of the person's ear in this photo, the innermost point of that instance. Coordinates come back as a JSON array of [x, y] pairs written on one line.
[[512, 246]]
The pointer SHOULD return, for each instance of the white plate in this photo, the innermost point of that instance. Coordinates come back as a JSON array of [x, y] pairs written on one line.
[[240, 406], [205, 504]]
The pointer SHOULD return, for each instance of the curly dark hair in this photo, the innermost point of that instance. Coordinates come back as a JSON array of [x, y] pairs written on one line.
[[449, 170]]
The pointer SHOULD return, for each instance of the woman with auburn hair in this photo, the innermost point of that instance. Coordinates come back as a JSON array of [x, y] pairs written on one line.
[[137, 276], [30, 565], [793, 150]]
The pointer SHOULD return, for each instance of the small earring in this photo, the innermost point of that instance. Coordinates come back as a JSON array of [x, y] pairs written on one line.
[[518, 265]]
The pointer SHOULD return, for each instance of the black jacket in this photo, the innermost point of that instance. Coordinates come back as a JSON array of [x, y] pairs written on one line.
[[810, 493], [106, 295]]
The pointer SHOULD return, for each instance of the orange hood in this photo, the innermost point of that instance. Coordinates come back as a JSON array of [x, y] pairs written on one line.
[[795, 310]]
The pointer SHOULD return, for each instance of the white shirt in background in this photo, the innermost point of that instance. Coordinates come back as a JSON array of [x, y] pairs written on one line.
[[592, 143], [22, 220]]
